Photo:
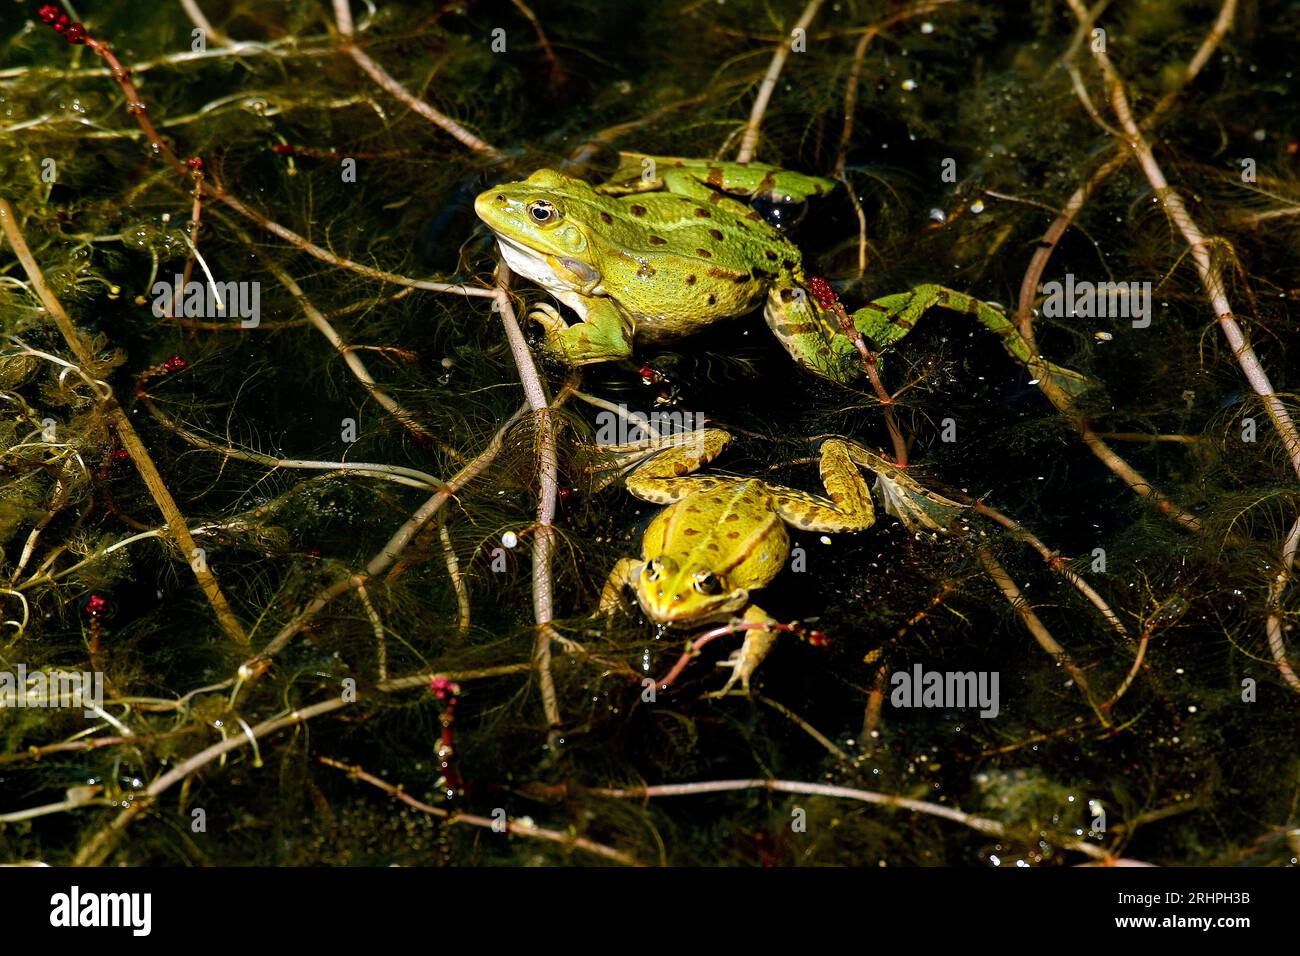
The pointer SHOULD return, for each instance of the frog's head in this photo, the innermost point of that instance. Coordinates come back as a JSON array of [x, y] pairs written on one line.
[[681, 593], [546, 213]]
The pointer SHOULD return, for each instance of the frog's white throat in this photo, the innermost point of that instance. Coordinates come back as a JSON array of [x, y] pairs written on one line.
[[532, 265]]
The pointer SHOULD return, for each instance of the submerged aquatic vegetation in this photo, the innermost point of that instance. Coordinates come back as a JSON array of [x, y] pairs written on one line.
[[287, 469]]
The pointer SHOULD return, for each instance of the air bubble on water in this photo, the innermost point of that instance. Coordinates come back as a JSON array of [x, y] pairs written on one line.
[[909, 85], [938, 215], [927, 27], [977, 206], [509, 539]]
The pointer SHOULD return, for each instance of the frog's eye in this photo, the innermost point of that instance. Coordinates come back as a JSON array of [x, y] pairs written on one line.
[[540, 211], [706, 582], [653, 568]]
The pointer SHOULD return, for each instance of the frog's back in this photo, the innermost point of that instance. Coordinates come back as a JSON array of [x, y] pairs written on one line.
[[732, 529], [681, 264]]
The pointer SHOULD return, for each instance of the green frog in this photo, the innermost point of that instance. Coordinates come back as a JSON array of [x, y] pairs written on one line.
[[721, 537], [669, 246]]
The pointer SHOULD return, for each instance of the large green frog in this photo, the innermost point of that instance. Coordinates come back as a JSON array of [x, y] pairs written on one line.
[[724, 536], [667, 247]]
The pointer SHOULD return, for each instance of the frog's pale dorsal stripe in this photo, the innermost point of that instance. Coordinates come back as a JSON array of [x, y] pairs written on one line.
[[742, 501]]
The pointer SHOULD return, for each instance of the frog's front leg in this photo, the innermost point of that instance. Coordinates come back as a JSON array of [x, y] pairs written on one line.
[[604, 334], [623, 574], [745, 659], [886, 320]]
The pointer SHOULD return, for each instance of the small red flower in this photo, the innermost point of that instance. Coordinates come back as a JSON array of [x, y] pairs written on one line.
[[119, 456], [48, 13], [174, 364], [821, 291], [96, 606], [76, 33], [194, 162]]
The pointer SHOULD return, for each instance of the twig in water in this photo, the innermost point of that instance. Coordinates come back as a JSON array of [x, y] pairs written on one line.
[[125, 431]]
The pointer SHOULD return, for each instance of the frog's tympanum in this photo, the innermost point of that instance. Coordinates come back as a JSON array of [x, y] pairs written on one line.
[[722, 537], [669, 246]]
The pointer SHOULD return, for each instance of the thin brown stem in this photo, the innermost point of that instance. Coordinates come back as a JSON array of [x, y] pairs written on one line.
[[124, 430]]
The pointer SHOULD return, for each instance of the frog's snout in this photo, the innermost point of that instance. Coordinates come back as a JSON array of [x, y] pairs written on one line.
[[486, 203]]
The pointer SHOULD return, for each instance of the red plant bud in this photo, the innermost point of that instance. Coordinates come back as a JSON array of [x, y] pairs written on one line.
[[821, 291]]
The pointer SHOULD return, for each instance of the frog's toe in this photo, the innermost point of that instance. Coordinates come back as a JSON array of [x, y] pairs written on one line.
[[548, 317]]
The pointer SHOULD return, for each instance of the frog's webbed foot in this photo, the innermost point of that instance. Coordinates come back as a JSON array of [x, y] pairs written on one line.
[[746, 658], [917, 507]]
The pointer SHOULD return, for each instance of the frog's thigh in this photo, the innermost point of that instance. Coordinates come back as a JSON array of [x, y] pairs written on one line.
[[667, 477], [849, 507], [758, 644], [623, 574], [603, 336]]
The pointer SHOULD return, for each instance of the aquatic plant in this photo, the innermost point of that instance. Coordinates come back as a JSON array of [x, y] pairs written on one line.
[[284, 469]]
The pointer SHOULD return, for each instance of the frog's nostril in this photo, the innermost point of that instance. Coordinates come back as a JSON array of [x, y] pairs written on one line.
[[677, 598], [500, 198]]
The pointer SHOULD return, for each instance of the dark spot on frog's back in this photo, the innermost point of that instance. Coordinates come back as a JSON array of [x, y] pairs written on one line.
[[703, 213], [713, 299], [658, 241], [637, 210], [704, 253], [771, 256], [606, 218], [690, 279], [690, 532], [716, 234]]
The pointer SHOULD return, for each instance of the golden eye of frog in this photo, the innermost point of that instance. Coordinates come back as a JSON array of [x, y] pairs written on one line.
[[720, 537]]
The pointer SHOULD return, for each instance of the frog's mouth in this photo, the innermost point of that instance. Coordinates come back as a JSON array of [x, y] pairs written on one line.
[[686, 615]]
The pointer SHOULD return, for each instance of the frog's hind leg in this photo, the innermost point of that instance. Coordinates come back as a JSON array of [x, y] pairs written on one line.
[[666, 477], [849, 507], [810, 335], [604, 335], [886, 320], [917, 507]]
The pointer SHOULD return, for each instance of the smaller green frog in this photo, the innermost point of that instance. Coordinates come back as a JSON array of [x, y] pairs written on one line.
[[722, 537]]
